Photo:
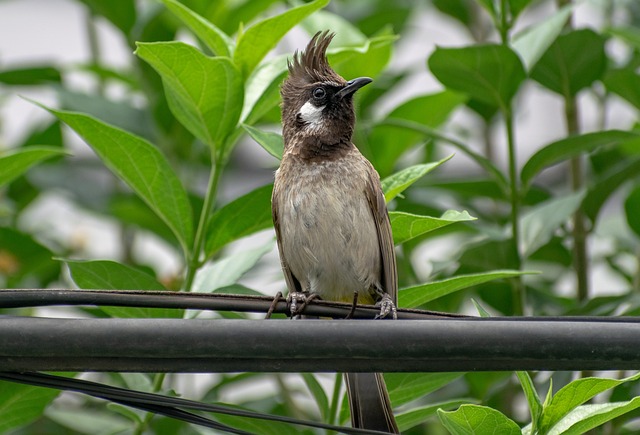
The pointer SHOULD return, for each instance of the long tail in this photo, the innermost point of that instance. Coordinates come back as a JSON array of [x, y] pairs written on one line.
[[369, 402]]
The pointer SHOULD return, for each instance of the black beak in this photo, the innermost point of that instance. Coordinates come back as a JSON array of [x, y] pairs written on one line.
[[352, 86]]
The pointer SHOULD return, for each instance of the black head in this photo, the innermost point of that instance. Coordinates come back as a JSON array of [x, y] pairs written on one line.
[[316, 102]]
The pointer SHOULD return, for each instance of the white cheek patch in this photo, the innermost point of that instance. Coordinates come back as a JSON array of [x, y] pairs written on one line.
[[311, 114]]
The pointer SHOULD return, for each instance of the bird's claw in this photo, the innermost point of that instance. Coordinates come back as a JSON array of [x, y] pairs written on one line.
[[295, 298], [386, 307]]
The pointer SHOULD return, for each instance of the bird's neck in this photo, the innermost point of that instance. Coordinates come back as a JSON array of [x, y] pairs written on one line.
[[318, 148]]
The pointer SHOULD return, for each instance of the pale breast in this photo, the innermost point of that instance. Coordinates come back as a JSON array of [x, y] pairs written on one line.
[[328, 236]]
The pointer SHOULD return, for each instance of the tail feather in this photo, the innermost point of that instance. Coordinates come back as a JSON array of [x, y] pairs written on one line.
[[369, 402]]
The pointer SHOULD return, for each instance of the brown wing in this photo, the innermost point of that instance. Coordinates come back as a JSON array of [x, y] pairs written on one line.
[[389, 278], [292, 283]]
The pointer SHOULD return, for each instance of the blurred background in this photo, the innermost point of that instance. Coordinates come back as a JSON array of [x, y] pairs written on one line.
[[72, 38], [70, 216]]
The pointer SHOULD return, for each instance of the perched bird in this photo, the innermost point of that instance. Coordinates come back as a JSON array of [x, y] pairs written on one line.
[[329, 212]]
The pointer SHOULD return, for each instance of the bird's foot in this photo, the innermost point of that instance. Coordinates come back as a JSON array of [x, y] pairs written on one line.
[[386, 307], [273, 305], [298, 302]]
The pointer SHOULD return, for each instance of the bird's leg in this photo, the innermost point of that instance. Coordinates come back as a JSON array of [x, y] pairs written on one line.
[[386, 307], [300, 297], [292, 302]]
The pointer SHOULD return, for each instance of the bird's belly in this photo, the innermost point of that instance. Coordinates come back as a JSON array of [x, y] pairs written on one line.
[[329, 238]]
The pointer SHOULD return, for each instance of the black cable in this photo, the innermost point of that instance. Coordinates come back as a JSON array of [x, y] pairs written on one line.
[[162, 404], [20, 298]]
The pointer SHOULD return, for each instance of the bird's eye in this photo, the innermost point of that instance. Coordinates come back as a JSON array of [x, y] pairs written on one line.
[[319, 93]]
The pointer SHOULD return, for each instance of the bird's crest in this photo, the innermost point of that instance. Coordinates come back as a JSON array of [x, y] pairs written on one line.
[[311, 65]]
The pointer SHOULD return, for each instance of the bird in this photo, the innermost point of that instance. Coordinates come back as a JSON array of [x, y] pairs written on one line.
[[329, 212]]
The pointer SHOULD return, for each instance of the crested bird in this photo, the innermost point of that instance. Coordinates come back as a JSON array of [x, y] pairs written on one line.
[[329, 212]]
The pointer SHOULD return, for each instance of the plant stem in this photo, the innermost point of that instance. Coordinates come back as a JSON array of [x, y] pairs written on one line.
[[636, 276], [287, 397], [579, 232], [193, 262], [335, 399], [504, 23], [94, 48], [158, 380], [519, 295]]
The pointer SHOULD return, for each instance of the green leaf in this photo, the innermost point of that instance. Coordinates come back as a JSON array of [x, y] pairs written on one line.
[[489, 73], [30, 76], [535, 404], [433, 134], [237, 289], [110, 275], [534, 41], [16, 163], [476, 419], [228, 270], [489, 6], [462, 10], [262, 91], [243, 216], [119, 114], [397, 183], [406, 226], [367, 60], [121, 14], [584, 418], [609, 182], [541, 222], [273, 143], [388, 142], [212, 36], [318, 394], [632, 210], [130, 209], [412, 297], [420, 414], [629, 34], [564, 149], [516, 7], [257, 426], [406, 387], [25, 261], [347, 34], [566, 67], [22, 404], [89, 421], [204, 93], [259, 39], [625, 83], [574, 394], [139, 164]]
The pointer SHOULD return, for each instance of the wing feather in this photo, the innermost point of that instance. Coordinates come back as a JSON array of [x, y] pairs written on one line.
[[292, 283], [389, 278]]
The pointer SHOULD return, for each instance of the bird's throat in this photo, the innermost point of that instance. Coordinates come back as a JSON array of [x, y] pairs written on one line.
[[314, 149]]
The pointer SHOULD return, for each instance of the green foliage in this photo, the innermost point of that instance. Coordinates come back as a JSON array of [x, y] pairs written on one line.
[[475, 419], [490, 73], [21, 404], [198, 88], [182, 109], [16, 163]]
